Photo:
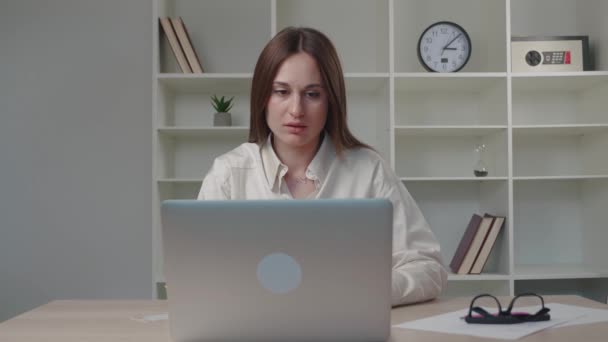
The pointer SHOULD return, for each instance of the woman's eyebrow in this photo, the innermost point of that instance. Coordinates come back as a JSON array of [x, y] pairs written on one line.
[[284, 84]]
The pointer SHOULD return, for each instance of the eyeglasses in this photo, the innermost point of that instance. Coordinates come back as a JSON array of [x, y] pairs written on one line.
[[480, 315]]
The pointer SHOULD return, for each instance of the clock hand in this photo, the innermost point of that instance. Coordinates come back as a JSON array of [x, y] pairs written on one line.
[[447, 48], [451, 41]]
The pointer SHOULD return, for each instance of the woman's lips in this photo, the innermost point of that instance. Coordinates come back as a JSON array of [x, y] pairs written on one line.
[[295, 128]]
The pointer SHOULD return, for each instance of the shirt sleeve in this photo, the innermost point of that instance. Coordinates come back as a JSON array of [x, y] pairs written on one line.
[[418, 273], [216, 184]]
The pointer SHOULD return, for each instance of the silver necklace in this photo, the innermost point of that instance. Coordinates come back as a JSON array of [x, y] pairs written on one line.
[[301, 179]]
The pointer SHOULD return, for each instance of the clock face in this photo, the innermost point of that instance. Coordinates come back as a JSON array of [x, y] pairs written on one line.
[[444, 47]]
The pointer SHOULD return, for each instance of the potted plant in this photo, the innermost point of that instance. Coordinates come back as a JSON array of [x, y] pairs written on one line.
[[222, 110]]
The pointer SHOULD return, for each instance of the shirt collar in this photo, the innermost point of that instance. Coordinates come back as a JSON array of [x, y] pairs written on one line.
[[272, 165], [317, 169], [319, 166]]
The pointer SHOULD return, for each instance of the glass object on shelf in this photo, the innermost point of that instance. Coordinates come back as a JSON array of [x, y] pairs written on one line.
[[480, 169]]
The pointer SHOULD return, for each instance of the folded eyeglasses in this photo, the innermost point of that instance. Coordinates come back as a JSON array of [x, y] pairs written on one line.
[[479, 315]]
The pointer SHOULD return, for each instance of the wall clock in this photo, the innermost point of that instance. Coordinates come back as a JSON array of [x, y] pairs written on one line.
[[444, 47]]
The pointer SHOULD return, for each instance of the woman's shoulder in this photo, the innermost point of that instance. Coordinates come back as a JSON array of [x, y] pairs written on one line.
[[245, 155], [369, 161], [366, 155]]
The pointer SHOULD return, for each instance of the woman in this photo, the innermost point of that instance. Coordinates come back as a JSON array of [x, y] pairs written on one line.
[[300, 147]]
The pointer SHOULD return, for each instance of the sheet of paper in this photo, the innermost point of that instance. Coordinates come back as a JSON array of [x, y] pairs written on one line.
[[588, 315], [151, 318], [452, 323]]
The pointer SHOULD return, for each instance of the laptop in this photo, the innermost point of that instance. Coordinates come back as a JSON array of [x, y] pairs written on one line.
[[278, 270]]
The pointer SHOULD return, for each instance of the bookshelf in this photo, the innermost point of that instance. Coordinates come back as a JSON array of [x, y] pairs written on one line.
[[546, 133]]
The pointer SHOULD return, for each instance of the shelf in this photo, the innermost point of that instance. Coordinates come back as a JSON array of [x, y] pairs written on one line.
[[592, 288], [383, 75], [473, 287], [203, 76], [179, 181], [444, 82], [446, 75], [562, 74], [565, 178], [235, 82], [563, 271], [448, 131], [559, 130], [208, 132], [366, 82], [206, 83], [476, 277], [451, 179], [562, 81]]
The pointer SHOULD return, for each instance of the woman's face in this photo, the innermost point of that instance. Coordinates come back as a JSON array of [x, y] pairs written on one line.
[[297, 108]]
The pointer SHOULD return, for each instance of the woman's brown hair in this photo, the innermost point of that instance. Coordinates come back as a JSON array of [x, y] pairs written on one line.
[[286, 43]]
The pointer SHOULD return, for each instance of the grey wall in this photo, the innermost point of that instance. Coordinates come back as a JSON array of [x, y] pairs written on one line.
[[75, 151]]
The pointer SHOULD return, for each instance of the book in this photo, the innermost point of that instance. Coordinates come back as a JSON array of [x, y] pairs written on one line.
[[175, 45], [465, 243], [186, 43], [475, 246], [484, 253]]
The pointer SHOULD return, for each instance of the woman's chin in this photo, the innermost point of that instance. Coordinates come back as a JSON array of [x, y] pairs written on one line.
[[296, 140]]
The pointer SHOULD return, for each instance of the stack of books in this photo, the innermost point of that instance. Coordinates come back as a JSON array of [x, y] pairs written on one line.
[[179, 39], [476, 244]]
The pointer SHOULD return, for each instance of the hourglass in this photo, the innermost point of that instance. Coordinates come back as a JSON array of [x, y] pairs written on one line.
[[480, 169]]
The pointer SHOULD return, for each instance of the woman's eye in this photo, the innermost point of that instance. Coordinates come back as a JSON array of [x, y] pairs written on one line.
[[280, 91], [313, 95]]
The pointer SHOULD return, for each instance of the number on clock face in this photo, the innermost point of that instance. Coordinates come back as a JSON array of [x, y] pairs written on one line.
[[444, 47]]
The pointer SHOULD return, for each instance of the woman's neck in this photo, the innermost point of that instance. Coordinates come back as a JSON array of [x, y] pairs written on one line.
[[297, 159]]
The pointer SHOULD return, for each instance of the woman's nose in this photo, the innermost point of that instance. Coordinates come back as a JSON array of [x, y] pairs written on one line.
[[295, 107]]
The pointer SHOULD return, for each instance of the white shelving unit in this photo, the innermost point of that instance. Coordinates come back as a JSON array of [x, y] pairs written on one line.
[[546, 134]]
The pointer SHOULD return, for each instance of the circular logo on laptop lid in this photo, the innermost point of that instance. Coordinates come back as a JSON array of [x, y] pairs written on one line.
[[279, 273]]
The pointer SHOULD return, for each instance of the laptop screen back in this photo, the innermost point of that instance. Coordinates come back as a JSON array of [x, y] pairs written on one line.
[[277, 270]]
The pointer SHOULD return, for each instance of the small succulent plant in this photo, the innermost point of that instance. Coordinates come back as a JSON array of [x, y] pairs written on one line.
[[221, 105]]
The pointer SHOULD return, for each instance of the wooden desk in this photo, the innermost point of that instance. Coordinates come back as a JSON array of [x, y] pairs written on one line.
[[92, 321]]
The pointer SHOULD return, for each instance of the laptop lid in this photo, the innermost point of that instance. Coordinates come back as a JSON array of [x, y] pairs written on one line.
[[278, 270]]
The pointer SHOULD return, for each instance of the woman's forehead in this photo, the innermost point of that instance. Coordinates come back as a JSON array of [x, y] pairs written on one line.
[[299, 70]]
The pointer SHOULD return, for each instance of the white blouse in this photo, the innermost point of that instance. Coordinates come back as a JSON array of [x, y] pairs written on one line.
[[253, 172]]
